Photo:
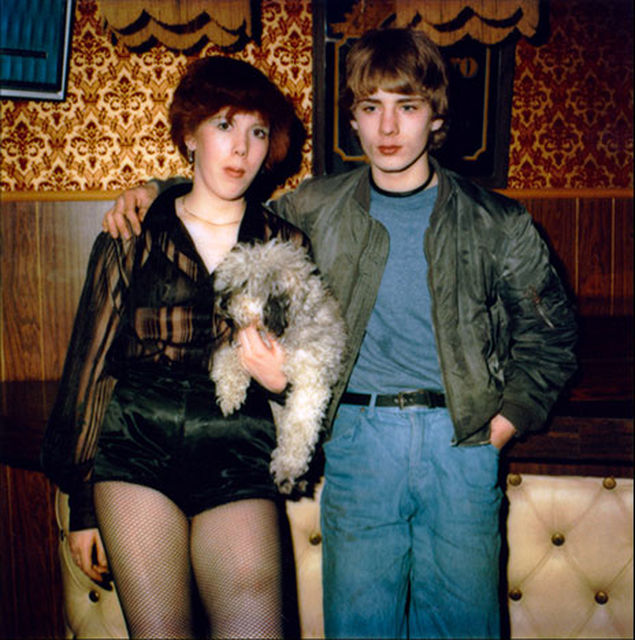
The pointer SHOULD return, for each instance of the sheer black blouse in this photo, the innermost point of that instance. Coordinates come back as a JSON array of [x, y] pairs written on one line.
[[146, 302]]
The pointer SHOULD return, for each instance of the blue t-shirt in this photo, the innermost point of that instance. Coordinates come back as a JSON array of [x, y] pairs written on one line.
[[399, 352]]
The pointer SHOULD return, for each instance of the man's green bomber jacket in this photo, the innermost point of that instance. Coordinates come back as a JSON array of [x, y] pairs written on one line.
[[504, 325]]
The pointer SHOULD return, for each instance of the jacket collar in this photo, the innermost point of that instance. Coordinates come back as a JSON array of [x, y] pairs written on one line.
[[444, 183], [362, 188]]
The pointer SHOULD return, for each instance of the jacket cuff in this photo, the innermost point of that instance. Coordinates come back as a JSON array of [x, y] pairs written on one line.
[[82, 514], [521, 417]]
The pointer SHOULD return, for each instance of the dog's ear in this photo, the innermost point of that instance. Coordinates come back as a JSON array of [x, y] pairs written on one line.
[[224, 295], [276, 313], [221, 303]]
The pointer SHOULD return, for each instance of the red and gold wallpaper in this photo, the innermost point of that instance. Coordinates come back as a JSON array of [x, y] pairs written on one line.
[[112, 130], [572, 123], [572, 108]]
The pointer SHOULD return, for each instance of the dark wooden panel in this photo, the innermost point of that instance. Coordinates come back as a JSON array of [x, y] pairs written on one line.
[[25, 408], [557, 468], [605, 369], [21, 312], [37, 599], [623, 278], [556, 220], [595, 265], [45, 247], [579, 440], [591, 431], [32, 589], [68, 230], [8, 598]]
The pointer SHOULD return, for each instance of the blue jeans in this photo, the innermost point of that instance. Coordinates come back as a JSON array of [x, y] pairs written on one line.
[[410, 528]]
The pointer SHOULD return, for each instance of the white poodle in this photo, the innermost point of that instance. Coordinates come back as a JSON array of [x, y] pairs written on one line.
[[276, 285]]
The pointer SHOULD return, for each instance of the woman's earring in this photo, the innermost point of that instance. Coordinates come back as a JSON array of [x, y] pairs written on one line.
[[190, 155]]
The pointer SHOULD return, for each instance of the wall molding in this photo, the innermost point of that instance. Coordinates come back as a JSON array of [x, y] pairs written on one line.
[[518, 194], [537, 194]]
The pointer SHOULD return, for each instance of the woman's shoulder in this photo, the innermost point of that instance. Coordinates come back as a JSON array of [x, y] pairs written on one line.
[[282, 229], [162, 209], [261, 224]]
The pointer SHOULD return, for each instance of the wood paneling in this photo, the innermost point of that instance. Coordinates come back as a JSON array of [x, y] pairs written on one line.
[[594, 266], [8, 604], [592, 241], [67, 234], [31, 602], [21, 317], [44, 249], [623, 257], [557, 221]]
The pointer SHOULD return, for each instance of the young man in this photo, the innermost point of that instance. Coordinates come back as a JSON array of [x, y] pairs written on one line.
[[461, 336]]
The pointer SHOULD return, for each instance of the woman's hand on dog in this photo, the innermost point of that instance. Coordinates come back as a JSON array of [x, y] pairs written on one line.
[[263, 356]]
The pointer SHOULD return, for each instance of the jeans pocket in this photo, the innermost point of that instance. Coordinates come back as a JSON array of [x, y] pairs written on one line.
[[344, 429]]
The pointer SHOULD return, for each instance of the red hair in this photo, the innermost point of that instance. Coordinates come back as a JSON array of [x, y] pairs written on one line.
[[212, 84]]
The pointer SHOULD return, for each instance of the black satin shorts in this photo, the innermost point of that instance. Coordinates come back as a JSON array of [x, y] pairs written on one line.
[[169, 434]]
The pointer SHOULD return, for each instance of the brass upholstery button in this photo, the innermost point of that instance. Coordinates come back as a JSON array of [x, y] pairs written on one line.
[[93, 596], [515, 594], [557, 539], [601, 597], [609, 483], [514, 479], [315, 538]]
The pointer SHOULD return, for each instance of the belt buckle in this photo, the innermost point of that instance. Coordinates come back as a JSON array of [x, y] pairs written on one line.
[[411, 398]]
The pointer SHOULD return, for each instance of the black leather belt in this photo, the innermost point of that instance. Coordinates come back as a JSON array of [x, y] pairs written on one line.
[[403, 399]]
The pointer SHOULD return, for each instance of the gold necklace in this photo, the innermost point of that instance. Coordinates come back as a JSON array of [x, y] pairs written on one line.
[[205, 220]]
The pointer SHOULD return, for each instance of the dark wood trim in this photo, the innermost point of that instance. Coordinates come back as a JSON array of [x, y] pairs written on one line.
[[318, 150], [318, 10], [574, 445]]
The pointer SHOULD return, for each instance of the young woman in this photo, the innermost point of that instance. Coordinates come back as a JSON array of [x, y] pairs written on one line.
[[136, 438]]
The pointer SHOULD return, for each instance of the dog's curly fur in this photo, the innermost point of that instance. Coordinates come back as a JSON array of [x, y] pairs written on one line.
[[276, 285]]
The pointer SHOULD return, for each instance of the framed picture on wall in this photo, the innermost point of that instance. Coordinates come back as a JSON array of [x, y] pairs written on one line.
[[480, 93], [35, 42]]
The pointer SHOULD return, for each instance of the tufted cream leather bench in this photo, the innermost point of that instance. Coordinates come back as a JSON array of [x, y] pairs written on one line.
[[570, 570], [90, 611]]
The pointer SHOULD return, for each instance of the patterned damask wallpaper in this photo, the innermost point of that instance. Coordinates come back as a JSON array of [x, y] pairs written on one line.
[[572, 121], [112, 130], [572, 109]]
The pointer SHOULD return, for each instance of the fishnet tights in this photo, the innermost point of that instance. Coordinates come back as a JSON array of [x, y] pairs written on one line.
[[233, 552]]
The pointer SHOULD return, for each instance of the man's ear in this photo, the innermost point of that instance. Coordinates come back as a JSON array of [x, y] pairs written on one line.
[[354, 124], [436, 124]]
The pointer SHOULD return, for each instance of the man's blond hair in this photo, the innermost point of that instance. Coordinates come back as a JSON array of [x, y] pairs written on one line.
[[399, 61]]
